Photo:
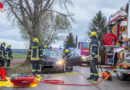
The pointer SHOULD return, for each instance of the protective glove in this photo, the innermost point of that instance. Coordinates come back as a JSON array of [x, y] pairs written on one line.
[[99, 60], [93, 54]]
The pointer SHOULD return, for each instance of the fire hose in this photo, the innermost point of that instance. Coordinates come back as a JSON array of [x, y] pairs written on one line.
[[61, 82], [124, 55], [109, 39], [18, 81]]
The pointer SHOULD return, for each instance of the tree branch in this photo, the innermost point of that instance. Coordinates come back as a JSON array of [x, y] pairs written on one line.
[[24, 17], [29, 7], [14, 12]]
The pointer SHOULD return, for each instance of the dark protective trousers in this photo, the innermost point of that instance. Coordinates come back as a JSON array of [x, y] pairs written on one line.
[[94, 68], [2, 63], [7, 64], [36, 67]]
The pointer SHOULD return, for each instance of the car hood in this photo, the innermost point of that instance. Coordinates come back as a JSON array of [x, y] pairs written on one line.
[[51, 59]]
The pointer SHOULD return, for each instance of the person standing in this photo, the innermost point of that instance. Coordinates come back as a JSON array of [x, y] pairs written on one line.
[[2, 54], [35, 54], [94, 50], [66, 53], [8, 56]]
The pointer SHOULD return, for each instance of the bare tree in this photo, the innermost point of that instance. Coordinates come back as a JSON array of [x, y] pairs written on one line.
[[29, 14], [51, 25]]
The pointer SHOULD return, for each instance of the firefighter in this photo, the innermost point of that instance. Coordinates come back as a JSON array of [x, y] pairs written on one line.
[[91, 35], [35, 54], [66, 53], [94, 54], [8, 56], [2, 54]]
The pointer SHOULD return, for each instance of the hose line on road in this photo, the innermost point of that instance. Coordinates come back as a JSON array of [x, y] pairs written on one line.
[[61, 82]]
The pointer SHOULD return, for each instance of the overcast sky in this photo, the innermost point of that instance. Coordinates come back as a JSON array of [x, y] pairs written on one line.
[[84, 11]]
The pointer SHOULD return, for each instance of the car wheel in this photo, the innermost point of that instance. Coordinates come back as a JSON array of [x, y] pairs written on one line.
[[69, 69], [122, 76]]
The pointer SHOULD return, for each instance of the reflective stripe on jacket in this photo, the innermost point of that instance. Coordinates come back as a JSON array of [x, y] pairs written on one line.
[[8, 54], [94, 48], [35, 52], [2, 52]]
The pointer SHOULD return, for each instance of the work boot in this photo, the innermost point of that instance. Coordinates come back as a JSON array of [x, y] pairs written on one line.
[[89, 78], [95, 78]]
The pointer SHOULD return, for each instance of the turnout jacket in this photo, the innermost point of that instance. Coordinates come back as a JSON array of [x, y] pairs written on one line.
[[94, 48], [8, 54], [2, 52], [35, 52]]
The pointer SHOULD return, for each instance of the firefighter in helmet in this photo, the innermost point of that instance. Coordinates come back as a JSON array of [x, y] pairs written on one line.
[[94, 54], [66, 53], [8, 56], [35, 54], [2, 54]]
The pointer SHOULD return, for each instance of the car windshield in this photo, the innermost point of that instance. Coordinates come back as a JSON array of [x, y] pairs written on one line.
[[52, 53], [75, 52], [86, 44]]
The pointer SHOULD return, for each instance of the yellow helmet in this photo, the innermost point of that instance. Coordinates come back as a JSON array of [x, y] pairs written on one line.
[[3, 43], [93, 34], [90, 35], [8, 45], [66, 50], [36, 40]]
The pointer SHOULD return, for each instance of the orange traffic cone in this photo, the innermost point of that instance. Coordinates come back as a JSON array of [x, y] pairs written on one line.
[[3, 73]]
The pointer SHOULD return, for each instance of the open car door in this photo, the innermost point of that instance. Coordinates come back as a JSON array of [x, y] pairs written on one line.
[[74, 59]]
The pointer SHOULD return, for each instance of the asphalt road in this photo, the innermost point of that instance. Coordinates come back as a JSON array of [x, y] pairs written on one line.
[[76, 78]]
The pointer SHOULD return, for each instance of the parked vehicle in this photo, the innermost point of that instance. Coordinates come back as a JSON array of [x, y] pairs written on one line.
[[74, 59], [117, 42], [83, 46], [53, 61]]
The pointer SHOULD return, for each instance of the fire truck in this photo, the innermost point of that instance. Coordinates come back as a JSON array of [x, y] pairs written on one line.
[[83, 45], [117, 42]]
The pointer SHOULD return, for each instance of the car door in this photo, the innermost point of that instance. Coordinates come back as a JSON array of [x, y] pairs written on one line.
[[74, 59]]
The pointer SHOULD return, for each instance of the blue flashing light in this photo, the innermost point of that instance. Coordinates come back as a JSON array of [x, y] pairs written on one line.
[[50, 47], [60, 48], [83, 53], [69, 47], [109, 18]]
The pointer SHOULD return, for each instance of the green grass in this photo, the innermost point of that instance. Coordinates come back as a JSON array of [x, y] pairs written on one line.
[[19, 55]]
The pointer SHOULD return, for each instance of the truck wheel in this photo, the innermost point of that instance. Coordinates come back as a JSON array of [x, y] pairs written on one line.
[[122, 76]]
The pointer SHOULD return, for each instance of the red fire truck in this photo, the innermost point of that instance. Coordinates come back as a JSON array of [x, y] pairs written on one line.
[[117, 43], [83, 45]]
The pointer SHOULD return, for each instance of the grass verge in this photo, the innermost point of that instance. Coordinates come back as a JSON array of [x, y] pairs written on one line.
[[19, 55]]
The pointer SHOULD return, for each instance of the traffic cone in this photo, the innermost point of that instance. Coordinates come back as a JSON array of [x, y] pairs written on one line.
[[3, 73]]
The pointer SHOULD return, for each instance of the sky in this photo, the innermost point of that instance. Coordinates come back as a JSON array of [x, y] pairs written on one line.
[[83, 10]]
